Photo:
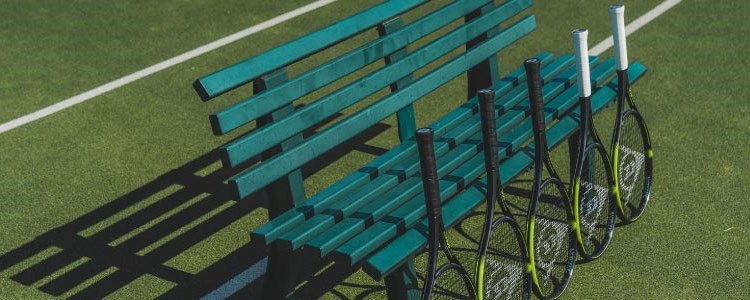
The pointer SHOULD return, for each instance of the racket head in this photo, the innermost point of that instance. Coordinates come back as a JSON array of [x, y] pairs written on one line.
[[593, 191], [551, 239], [451, 282], [506, 259], [634, 162]]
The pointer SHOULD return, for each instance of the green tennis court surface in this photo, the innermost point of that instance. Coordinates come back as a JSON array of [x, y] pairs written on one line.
[[112, 197]]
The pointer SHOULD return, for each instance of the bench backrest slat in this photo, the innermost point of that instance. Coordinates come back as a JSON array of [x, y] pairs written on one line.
[[407, 124], [254, 107], [280, 165], [254, 143], [390, 163], [289, 190], [228, 78]]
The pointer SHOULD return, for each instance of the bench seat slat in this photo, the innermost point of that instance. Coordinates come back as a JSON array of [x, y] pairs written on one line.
[[230, 77], [349, 250], [402, 192], [564, 102], [468, 141], [252, 180], [391, 256], [270, 231], [252, 144], [404, 154], [254, 107]]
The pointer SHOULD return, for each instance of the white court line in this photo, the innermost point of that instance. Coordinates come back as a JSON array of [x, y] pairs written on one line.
[[635, 25], [238, 282], [10, 125], [258, 269]]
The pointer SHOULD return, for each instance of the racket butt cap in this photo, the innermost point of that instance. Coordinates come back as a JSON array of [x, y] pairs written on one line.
[[617, 8]]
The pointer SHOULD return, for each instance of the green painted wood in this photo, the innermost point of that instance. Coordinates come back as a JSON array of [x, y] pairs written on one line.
[[405, 216], [354, 249], [380, 206], [389, 258], [403, 283], [405, 117], [561, 103], [251, 180], [252, 144], [287, 192], [387, 181], [330, 239], [396, 252], [392, 161], [230, 77], [410, 188], [271, 230], [249, 109], [484, 74]]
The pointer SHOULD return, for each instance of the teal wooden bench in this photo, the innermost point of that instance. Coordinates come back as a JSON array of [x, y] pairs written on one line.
[[513, 163], [366, 216]]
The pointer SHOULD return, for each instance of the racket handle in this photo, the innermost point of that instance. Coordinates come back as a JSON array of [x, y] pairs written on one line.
[[534, 80], [617, 14], [489, 128], [580, 41], [425, 145]]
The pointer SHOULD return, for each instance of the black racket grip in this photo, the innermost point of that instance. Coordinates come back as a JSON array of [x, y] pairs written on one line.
[[489, 128], [426, 147], [534, 80]]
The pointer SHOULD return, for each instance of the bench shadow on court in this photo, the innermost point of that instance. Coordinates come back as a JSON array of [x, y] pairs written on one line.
[[62, 272]]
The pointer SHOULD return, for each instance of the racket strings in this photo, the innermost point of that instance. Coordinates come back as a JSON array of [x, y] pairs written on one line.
[[594, 200], [632, 166], [505, 264], [451, 283], [552, 240]]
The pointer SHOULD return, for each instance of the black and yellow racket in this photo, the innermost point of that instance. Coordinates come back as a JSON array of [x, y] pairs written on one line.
[[501, 256], [592, 185], [632, 154], [550, 235], [449, 280]]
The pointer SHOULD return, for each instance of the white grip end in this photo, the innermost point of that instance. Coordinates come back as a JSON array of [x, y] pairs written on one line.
[[617, 13], [580, 40]]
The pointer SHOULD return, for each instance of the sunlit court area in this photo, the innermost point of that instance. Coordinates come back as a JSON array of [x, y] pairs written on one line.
[[280, 149]]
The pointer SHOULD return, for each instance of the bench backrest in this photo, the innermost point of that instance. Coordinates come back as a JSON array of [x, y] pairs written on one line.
[[278, 139]]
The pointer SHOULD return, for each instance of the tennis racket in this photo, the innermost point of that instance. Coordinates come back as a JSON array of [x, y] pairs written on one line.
[[632, 154], [501, 257], [550, 235], [593, 184], [450, 280]]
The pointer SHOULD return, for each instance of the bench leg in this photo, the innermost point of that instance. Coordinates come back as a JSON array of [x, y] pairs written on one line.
[[402, 284], [486, 73], [280, 279], [284, 194]]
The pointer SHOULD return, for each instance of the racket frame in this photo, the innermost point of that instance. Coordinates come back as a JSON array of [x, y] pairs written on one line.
[[542, 160], [624, 94], [587, 133], [436, 232]]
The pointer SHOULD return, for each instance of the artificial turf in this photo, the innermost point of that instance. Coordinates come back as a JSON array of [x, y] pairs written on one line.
[[113, 197]]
